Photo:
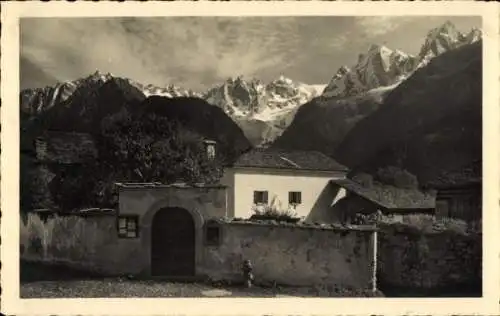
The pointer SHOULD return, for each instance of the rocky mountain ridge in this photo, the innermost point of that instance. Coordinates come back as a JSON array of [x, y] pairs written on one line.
[[263, 111], [354, 95], [381, 66]]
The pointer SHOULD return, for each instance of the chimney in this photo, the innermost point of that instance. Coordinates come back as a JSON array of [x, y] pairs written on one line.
[[210, 148]]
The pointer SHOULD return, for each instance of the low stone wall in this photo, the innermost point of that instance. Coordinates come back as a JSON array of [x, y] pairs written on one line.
[[83, 242], [292, 254], [409, 259]]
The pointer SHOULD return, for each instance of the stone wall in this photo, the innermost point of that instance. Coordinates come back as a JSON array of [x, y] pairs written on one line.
[[426, 262], [207, 201], [293, 254], [90, 243]]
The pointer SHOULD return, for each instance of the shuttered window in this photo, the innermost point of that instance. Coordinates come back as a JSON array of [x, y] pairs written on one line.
[[294, 198], [260, 197], [128, 226]]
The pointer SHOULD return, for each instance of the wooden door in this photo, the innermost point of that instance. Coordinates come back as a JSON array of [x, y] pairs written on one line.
[[173, 243]]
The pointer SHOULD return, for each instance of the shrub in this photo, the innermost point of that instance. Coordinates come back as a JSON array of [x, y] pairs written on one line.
[[273, 211], [422, 223], [397, 177]]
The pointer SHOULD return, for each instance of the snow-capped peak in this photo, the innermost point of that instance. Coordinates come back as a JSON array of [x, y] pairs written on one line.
[[444, 38], [252, 99], [169, 91], [381, 66]]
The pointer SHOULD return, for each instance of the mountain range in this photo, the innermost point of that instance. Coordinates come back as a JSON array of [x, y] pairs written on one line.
[[390, 109], [261, 110], [381, 66], [264, 111], [353, 95], [429, 123]]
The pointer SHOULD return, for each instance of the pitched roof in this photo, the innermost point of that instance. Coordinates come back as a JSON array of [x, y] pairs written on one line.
[[176, 185], [389, 197], [466, 175], [65, 148], [282, 159]]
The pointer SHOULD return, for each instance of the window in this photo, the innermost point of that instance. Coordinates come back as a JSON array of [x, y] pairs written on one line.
[[128, 226], [211, 151], [212, 233], [294, 198], [260, 197]]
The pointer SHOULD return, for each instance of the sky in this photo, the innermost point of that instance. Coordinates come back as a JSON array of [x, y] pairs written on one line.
[[200, 52]]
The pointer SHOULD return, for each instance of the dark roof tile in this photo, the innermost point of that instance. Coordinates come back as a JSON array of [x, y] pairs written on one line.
[[389, 197], [281, 159]]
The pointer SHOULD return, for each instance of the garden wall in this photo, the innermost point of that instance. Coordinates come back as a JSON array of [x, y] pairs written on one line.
[[293, 254], [425, 262], [84, 242]]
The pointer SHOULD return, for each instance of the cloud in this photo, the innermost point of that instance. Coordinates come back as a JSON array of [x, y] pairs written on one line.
[[186, 50], [339, 41], [380, 25], [197, 52]]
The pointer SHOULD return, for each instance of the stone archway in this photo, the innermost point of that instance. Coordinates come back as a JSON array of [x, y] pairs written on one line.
[[173, 245]]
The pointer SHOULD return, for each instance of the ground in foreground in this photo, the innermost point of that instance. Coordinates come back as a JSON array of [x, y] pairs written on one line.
[[151, 288], [42, 281]]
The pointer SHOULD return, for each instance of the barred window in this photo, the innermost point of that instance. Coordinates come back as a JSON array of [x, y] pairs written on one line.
[[128, 226]]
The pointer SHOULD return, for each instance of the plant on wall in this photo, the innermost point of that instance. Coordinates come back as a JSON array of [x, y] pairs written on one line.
[[274, 211]]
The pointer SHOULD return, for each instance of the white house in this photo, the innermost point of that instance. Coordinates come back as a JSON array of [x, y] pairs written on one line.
[[299, 180]]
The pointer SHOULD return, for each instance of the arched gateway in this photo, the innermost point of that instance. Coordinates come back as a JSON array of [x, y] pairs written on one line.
[[173, 243], [169, 221]]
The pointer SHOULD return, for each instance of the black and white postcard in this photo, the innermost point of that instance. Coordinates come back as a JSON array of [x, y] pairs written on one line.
[[233, 158]]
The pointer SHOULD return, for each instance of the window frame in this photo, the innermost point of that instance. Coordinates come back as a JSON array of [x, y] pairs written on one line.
[[292, 194], [128, 219], [211, 224], [265, 195]]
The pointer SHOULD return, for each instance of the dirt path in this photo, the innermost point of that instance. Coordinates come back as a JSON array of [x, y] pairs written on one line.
[[127, 288]]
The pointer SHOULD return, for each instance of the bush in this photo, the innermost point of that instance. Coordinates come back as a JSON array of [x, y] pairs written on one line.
[[273, 211], [423, 223], [397, 177]]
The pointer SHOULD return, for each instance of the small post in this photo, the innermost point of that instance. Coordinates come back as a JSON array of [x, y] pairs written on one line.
[[374, 261]]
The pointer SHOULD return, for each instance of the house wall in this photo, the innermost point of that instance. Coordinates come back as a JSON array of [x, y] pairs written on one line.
[[316, 193], [228, 180], [344, 206], [292, 255], [463, 204]]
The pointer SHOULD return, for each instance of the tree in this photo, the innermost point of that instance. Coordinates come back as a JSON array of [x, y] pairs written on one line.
[[155, 149]]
